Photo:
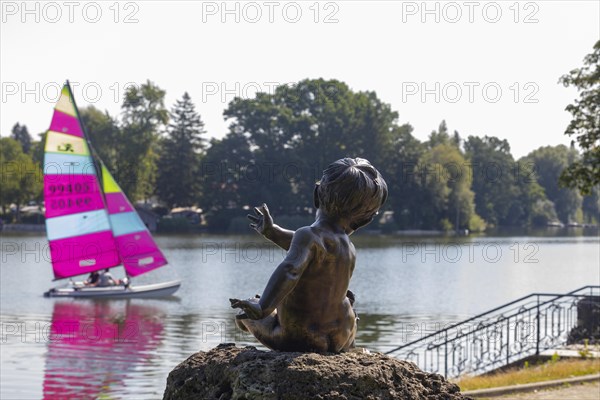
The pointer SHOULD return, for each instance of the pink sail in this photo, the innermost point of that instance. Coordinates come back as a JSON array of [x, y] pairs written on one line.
[[90, 223], [118, 203], [137, 249], [65, 123], [84, 254], [139, 253], [77, 225]]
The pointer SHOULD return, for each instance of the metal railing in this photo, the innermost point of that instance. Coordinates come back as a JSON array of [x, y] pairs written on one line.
[[498, 337]]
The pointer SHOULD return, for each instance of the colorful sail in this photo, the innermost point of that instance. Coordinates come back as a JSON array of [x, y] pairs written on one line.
[[77, 224], [139, 253]]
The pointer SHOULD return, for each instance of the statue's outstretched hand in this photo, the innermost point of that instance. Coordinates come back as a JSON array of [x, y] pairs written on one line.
[[261, 221], [251, 309]]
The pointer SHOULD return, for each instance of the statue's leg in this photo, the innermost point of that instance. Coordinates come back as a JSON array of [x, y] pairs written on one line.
[[350, 342], [269, 332], [352, 321], [266, 330], [240, 324]]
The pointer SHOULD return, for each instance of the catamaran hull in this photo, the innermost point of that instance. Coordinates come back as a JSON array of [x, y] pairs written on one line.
[[117, 292]]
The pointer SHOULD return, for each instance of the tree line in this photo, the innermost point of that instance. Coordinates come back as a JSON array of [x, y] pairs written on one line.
[[278, 144]]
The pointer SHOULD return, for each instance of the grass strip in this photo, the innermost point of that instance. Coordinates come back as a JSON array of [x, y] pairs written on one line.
[[551, 370]]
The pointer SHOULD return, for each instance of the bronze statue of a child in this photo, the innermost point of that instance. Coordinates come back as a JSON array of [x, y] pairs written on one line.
[[306, 305]]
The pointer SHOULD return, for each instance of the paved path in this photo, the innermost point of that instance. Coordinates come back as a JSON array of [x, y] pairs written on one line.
[[586, 391]]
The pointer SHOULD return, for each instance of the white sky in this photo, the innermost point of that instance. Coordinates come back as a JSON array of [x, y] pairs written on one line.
[[382, 46]]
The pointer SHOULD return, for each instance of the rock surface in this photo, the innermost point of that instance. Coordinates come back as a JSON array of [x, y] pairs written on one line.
[[229, 372]]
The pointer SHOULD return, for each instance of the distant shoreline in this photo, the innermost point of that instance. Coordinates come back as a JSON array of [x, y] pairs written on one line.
[[41, 228], [24, 228]]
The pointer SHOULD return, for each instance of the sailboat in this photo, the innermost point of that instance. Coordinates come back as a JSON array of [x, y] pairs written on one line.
[[90, 223]]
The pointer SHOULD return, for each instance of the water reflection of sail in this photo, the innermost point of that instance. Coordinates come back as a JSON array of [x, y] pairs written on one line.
[[93, 347]]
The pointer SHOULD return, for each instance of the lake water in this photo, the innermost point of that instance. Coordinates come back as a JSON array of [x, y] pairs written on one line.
[[53, 348]]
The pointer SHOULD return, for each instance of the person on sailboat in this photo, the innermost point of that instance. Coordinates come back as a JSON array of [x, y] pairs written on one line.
[[106, 279], [93, 279]]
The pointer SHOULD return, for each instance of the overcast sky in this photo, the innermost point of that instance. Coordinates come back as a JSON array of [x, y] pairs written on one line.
[[487, 68]]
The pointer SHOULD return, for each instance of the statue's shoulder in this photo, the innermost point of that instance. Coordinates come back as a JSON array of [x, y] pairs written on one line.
[[306, 234]]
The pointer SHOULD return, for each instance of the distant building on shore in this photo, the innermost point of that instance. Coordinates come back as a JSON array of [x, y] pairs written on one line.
[[149, 218]]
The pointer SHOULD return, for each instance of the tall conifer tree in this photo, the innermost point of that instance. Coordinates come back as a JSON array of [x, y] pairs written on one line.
[[178, 180], [20, 133]]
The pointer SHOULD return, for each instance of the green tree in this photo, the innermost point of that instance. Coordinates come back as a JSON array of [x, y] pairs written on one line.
[[441, 136], [494, 183], [37, 150], [400, 170], [432, 194], [20, 179], [548, 162], [103, 133], [543, 212], [524, 209], [445, 174], [591, 207], [144, 117], [20, 133], [226, 184], [456, 140], [298, 130], [585, 125], [178, 173]]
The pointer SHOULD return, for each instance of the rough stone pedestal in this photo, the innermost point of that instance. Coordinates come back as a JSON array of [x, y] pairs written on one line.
[[229, 372]]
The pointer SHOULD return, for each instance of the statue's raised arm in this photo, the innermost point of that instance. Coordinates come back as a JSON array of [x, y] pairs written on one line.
[[262, 222]]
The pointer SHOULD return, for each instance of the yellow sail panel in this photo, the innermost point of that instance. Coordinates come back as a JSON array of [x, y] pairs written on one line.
[[65, 144], [108, 182], [65, 103]]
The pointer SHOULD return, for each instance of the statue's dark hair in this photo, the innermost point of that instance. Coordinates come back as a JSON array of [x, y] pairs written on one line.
[[351, 188]]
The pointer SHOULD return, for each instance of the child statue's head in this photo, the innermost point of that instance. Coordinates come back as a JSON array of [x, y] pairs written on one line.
[[351, 188]]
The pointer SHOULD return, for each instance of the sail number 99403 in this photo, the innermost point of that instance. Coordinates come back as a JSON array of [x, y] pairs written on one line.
[[69, 188]]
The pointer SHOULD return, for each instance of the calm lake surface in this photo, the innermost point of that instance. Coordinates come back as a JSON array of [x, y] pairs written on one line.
[[52, 348]]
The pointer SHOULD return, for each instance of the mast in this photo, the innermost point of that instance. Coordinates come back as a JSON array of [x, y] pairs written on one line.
[[86, 137]]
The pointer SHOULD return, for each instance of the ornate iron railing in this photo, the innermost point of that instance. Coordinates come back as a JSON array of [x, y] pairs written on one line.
[[505, 334]]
